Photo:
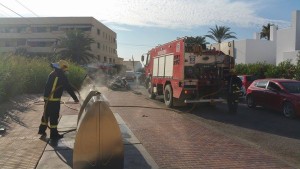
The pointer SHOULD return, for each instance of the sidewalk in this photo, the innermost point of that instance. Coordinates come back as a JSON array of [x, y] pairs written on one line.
[[60, 155], [21, 146]]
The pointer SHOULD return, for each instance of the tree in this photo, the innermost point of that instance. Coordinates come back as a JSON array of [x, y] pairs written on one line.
[[220, 33], [76, 47], [198, 40], [265, 31]]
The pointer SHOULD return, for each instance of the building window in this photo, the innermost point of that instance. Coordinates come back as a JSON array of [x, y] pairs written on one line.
[[104, 59], [113, 60], [99, 58], [88, 29], [40, 43], [21, 42], [10, 43], [98, 45], [82, 27], [109, 60], [98, 31], [21, 29], [38, 29], [53, 28]]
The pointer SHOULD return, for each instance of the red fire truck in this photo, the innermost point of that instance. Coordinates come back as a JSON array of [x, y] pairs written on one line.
[[186, 72]]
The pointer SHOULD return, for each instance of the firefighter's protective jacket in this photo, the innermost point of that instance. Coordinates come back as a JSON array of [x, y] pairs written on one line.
[[57, 82], [234, 84]]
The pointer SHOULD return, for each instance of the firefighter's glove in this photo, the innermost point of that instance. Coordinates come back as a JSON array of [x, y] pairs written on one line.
[[76, 101]]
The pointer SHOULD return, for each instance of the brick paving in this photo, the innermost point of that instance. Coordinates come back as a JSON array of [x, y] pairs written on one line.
[[174, 140], [21, 146]]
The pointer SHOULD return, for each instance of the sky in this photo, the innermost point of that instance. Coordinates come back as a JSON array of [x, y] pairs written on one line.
[[141, 25]]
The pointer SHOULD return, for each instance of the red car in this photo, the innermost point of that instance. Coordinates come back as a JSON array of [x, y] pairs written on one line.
[[277, 94]]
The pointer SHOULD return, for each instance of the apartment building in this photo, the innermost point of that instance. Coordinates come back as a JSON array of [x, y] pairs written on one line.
[[40, 35]]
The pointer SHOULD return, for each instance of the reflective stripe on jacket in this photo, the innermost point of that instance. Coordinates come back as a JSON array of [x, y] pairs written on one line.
[[57, 82]]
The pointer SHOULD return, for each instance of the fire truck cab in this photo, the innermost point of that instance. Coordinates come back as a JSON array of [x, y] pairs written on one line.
[[185, 72]]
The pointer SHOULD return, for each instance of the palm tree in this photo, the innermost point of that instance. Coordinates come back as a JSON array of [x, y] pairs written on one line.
[[220, 33], [198, 40], [265, 31], [76, 47]]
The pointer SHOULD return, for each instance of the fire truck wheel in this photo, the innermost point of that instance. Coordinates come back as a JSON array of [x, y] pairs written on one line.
[[168, 96]]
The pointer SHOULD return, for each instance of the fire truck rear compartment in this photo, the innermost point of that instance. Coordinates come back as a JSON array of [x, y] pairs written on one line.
[[209, 87]]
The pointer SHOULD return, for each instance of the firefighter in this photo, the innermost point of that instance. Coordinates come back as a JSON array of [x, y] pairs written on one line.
[[57, 82], [233, 85]]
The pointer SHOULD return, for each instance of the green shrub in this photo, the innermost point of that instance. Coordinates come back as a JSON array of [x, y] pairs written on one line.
[[21, 75], [76, 75], [283, 70]]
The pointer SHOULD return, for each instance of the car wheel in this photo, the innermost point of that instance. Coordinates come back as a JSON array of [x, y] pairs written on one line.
[[250, 101], [288, 110], [150, 90], [168, 96]]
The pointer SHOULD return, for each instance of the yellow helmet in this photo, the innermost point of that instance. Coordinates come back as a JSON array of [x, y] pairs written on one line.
[[63, 65], [232, 71]]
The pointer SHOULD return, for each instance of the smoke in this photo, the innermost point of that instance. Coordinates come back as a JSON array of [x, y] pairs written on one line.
[[95, 81]]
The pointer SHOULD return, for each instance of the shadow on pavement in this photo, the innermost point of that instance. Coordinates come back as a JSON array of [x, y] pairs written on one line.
[[64, 154], [259, 119], [10, 110]]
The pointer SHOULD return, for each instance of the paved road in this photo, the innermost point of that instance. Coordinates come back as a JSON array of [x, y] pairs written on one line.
[[205, 138], [209, 137]]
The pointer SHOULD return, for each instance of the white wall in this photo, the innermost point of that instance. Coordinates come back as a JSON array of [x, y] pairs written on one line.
[[254, 50], [285, 43], [291, 56], [288, 40], [240, 51], [260, 51]]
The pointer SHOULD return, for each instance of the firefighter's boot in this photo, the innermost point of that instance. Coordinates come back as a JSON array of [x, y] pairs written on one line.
[[42, 130], [54, 134]]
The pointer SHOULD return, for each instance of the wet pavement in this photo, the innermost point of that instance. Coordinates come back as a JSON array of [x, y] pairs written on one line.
[[153, 137]]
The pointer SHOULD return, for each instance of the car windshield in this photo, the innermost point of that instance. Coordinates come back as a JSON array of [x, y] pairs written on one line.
[[292, 87]]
